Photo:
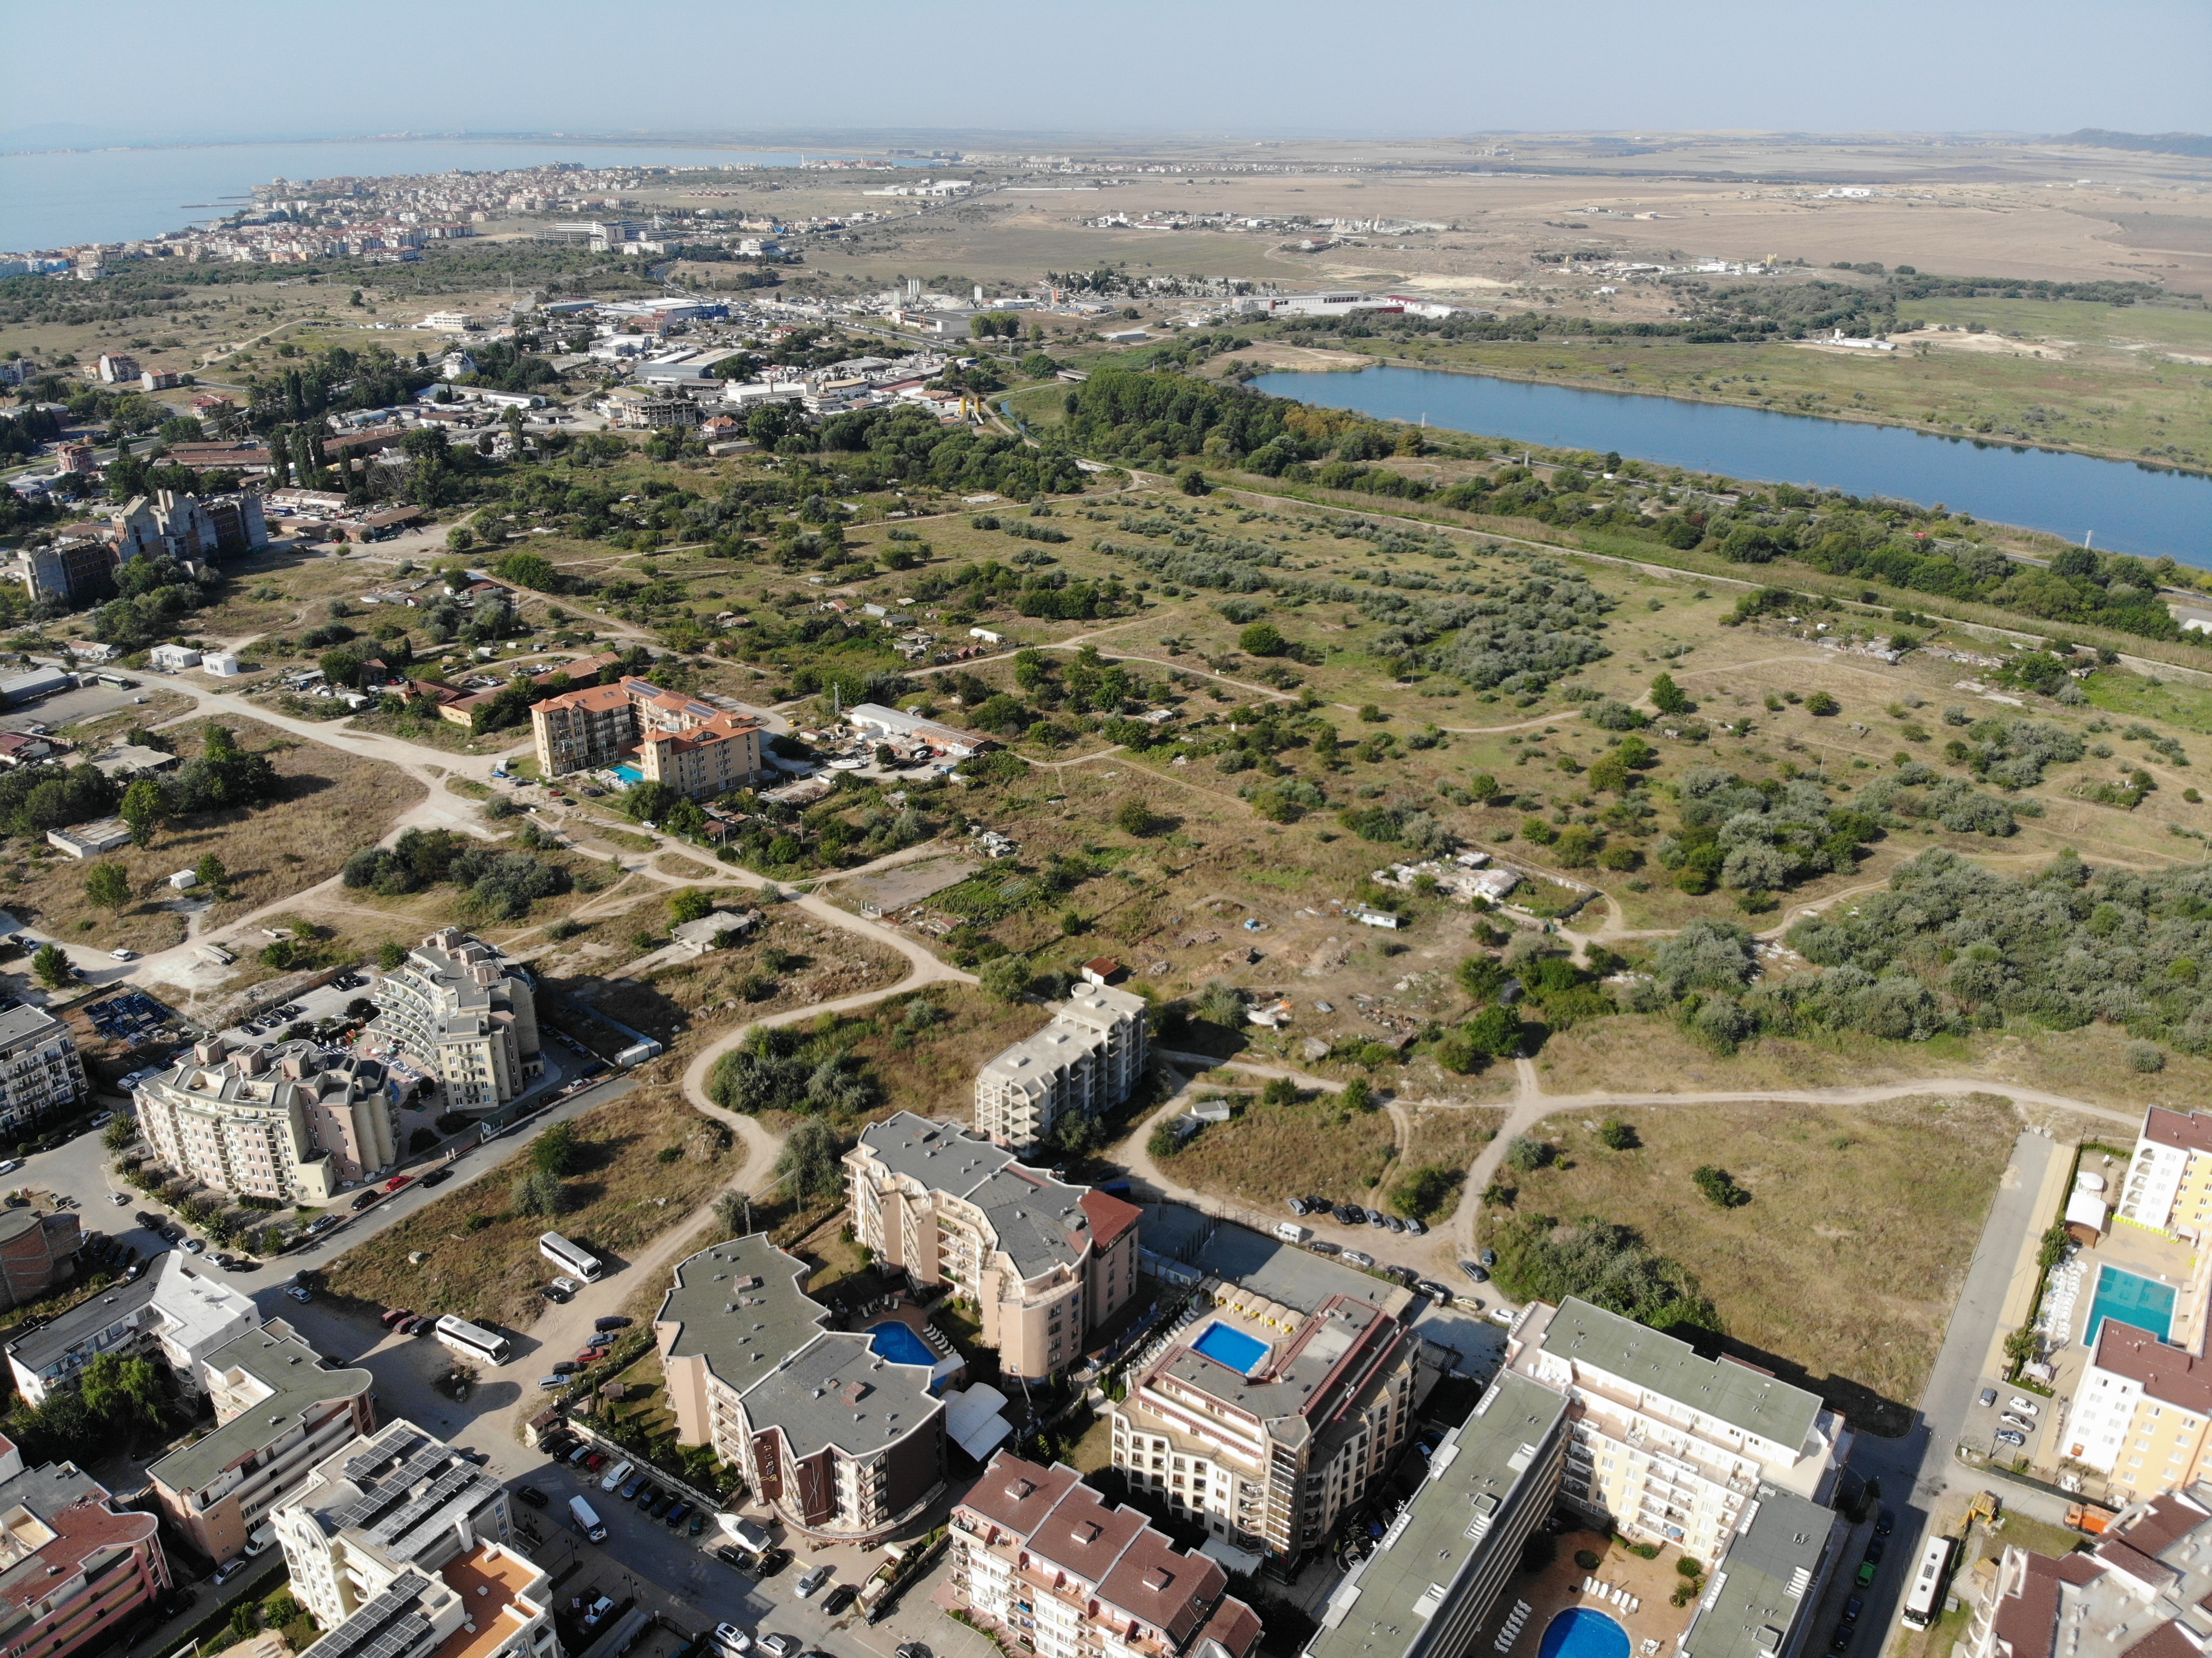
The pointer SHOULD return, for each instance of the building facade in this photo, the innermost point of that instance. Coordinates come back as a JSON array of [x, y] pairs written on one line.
[[467, 1020], [1038, 1556], [1084, 1062], [2144, 1588], [2141, 1414], [37, 1252], [1265, 1425], [1667, 1447], [697, 749], [70, 574], [845, 1444], [41, 1074], [2168, 1185], [1433, 1580], [1045, 1263], [73, 1568], [279, 1411], [296, 1124], [173, 1314], [378, 1506]]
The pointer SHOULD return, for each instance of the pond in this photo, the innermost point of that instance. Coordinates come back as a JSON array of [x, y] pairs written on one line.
[[2122, 507]]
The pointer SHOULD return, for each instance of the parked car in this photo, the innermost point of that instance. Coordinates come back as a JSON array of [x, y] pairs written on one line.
[[411, 1324], [1989, 1397], [1875, 1549], [730, 1639], [1865, 1576], [2011, 1437], [774, 1562], [195, 1246], [1298, 1206], [838, 1599], [617, 1474], [561, 1289], [913, 1650], [611, 1321], [2025, 1407], [299, 1293], [1487, 1258], [1476, 1274], [1841, 1640], [436, 1177], [123, 955], [631, 1486], [1375, 1218], [2013, 1420], [731, 1555], [1884, 1523], [392, 1316], [814, 1580], [605, 1339], [1393, 1223], [698, 1523], [1853, 1607], [1358, 1258], [1435, 1291], [678, 1514], [532, 1495], [548, 1383], [229, 1569], [596, 1460], [1416, 1228], [661, 1504], [783, 1646], [1322, 1246], [397, 1181]]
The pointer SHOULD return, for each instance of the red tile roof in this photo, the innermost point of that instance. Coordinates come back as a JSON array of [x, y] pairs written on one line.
[[1108, 1216], [2190, 1132], [2168, 1375]]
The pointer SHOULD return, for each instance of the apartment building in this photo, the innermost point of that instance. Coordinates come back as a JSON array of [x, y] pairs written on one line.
[[463, 1016], [2140, 1413], [1084, 1062], [37, 1251], [2144, 1589], [72, 572], [173, 1314], [2168, 1185], [279, 1410], [1038, 1556], [1045, 1263], [1667, 1447], [379, 1506], [295, 1124], [41, 1074], [1265, 1425], [73, 1568], [697, 749], [845, 1444], [1763, 1595], [1434, 1579]]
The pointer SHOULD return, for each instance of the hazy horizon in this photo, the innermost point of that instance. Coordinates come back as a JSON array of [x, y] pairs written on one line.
[[1293, 70]]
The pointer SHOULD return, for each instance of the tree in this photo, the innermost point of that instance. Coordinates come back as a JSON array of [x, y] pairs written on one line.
[[1262, 639], [538, 1194], [732, 1211], [1279, 1090], [557, 1150], [1669, 697], [690, 905], [1821, 703], [1192, 481], [107, 885], [1134, 818], [811, 1157], [1358, 1095], [143, 810], [1524, 1155], [119, 1133], [212, 875], [1423, 1191], [1006, 977], [1617, 1136], [1718, 1187], [51, 966]]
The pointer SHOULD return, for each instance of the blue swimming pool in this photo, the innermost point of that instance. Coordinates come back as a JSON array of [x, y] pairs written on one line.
[[1240, 1352], [1581, 1632], [630, 774], [900, 1344], [2132, 1299]]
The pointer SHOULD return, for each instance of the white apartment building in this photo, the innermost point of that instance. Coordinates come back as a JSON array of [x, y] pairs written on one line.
[[172, 1313], [40, 1073], [467, 1018], [377, 1506], [296, 1125], [2168, 1185], [1665, 1446], [2144, 1588], [1085, 1061]]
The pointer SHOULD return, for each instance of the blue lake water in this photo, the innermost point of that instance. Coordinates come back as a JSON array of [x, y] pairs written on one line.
[[54, 198], [2123, 507], [2132, 1299], [1240, 1352]]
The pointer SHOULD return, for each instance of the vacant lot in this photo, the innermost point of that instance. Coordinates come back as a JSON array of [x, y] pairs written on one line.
[[1268, 1152], [1842, 1269], [482, 1259]]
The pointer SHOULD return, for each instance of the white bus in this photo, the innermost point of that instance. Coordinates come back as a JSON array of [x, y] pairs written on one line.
[[569, 1257], [472, 1340], [1924, 1602]]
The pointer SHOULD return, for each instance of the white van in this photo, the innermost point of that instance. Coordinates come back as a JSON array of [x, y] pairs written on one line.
[[585, 1516], [616, 1475], [1292, 1233]]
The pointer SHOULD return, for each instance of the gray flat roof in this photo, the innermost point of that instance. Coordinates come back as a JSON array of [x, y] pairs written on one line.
[[1734, 1393], [282, 1363], [1039, 1220], [1384, 1609], [740, 1307], [87, 1319], [25, 1024], [1759, 1591], [1285, 1272], [837, 1390]]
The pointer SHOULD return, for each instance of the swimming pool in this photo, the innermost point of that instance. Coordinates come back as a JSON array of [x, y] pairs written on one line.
[[899, 1344], [1240, 1352], [1581, 1632], [2132, 1299], [628, 774]]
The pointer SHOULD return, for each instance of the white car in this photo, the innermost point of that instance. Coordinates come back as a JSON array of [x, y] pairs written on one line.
[[301, 1293], [730, 1639], [119, 1199], [616, 1475], [123, 955], [11, 1165], [813, 1580], [2025, 1407]]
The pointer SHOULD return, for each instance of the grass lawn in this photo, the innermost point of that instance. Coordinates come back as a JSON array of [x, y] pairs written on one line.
[[623, 1196], [1842, 1269], [1268, 1152]]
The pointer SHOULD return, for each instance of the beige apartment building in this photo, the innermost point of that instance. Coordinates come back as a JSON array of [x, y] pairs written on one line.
[[1667, 1447], [278, 1410], [2168, 1185], [1084, 1062], [1268, 1450], [455, 1011], [379, 1506], [296, 1125], [1038, 1556], [2140, 1413], [41, 1073], [697, 749], [844, 1444], [1044, 1263]]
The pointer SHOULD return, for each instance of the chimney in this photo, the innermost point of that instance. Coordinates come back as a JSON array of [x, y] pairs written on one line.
[[209, 1052], [298, 1065], [251, 1062]]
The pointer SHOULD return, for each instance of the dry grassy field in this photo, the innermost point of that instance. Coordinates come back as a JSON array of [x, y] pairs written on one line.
[[1841, 1271]]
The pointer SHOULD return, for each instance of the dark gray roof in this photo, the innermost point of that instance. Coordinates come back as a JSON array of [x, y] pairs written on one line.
[[1039, 1220], [1442, 1539], [1758, 1591], [740, 1307], [941, 1156], [294, 1373], [1285, 1385], [1281, 1272], [42, 1346], [1732, 1394], [26, 1024], [839, 1391]]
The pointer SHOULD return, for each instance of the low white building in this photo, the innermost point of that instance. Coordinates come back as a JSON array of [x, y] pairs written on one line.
[[222, 664], [173, 1313], [172, 658]]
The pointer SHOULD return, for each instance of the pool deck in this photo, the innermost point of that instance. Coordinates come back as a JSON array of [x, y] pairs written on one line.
[[1558, 1588]]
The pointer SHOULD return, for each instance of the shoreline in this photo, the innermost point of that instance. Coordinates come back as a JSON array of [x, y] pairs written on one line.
[[1841, 418]]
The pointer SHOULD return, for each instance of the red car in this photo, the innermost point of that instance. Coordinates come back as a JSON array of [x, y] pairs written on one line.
[[397, 1181], [596, 1460], [393, 1316], [589, 1356]]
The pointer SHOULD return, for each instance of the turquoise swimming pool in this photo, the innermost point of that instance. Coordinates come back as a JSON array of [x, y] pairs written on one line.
[[1583, 1632], [1240, 1352], [2132, 1299], [628, 774]]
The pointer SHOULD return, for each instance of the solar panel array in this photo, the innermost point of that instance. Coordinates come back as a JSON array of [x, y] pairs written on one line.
[[386, 1627], [370, 1504], [401, 1444], [441, 1491]]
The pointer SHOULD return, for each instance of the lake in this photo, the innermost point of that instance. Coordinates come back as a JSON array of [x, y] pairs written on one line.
[[55, 198], [2123, 507]]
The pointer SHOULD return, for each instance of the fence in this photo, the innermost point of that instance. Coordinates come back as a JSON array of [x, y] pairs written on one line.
[[705, 1501]]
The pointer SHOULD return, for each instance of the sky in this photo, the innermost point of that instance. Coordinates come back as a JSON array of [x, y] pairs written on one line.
[[244, 70]]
